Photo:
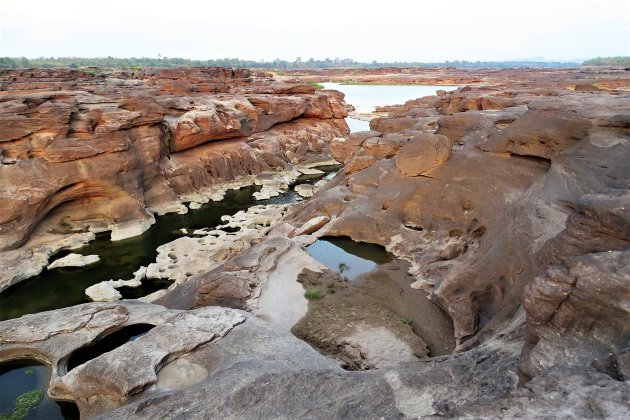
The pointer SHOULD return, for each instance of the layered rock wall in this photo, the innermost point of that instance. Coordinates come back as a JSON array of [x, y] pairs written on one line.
[[107, 149]]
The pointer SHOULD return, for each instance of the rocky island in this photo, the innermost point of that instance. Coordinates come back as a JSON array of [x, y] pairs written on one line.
[[496, 217]]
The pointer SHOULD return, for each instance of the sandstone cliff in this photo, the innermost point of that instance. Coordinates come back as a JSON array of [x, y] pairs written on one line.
[[106, 150]]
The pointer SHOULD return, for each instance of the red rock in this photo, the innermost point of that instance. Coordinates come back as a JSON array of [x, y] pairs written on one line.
[[98, 152], [423, 153]]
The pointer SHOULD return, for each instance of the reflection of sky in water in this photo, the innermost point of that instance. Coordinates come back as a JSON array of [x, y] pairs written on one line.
[[366, 97], [357, 125], [332, 255]]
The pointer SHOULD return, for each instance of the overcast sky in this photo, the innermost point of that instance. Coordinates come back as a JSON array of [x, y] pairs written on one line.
[[386, 30]]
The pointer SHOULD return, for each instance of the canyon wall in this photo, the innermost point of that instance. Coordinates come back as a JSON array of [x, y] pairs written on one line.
[[94, 150]]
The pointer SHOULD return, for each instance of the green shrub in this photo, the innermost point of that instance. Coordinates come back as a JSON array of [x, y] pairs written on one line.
[[343, 267], [312, 293], [316, 85]]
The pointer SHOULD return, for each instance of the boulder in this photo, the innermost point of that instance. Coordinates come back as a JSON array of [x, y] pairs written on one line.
[[102, 292], [423, 153]]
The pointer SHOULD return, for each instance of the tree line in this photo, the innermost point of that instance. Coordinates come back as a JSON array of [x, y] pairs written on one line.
[[608, 61], [297, 64]]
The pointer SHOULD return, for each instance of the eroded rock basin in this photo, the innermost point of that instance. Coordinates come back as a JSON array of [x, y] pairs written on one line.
[[509, 201], [363, 313], [24, 384], [65, 286]]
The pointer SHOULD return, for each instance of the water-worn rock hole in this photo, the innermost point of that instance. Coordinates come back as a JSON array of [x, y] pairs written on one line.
[[23, 385], [363, 312], [63, 287], [107, 343]]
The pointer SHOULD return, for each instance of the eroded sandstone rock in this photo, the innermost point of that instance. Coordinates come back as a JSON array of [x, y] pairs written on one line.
[[531, 204], [188, 256], [94, 152], [227, 363], [578, 315], [423, 153], [484, 223]]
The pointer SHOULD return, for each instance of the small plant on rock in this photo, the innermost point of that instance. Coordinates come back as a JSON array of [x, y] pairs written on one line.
[[315, 85], [343, 267], [312, 293], [331, 287], [405, 321]]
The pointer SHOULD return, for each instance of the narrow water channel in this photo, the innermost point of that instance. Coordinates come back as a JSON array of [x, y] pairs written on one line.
[[63, 287]]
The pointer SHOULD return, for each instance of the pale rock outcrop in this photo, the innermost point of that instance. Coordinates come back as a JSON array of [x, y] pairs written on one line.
[[305, 190], [74, 260], [189, 256], [103, 292], [226, 363], [262, 278]]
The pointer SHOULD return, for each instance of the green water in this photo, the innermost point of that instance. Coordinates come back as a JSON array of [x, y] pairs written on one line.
[[18, 377], [23, 383], [62, 287]]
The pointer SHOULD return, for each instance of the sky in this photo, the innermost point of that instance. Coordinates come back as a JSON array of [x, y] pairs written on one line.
[[385, 31]]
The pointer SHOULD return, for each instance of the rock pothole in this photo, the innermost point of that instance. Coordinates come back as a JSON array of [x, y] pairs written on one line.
[[362, 312]]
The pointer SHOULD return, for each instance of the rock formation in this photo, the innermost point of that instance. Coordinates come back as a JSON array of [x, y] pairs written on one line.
[[509, 200], [479, 225], [531, 208], [92, 151], [220, 362]]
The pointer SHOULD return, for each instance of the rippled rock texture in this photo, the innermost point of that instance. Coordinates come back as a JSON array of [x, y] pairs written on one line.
[[528, 208], [219, 362], [107, 149], [509, 201]]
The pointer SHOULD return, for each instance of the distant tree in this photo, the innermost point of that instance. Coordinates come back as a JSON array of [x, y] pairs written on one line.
[[7, 63], [311, 63], [608, 61]]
